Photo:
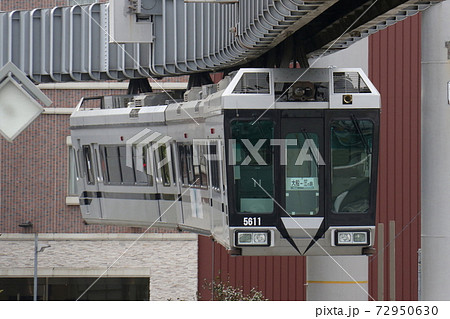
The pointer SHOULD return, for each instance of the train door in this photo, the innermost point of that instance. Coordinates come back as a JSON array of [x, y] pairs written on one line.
[[218, 218], [90, 201], [302, 175], [200, 193], [166, 183], [195, 186], [176, 169]]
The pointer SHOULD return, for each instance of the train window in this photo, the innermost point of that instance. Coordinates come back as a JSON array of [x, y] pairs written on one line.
[[143, 177], [73, 173], [253, 177], [351, 165], [128, 177], [301, 91], [190, 165], [197, 175], [88, 164], [253, 83], [163, 158], [302, 177], [172, 161], [183, 165], [215, 167], [202, 151], [112, 172], [114, 168], [349, 82], [103, 166]]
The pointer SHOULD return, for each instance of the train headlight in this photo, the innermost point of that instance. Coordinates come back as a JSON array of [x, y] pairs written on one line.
[[354, 238], [260, 238], [360, 238], [344, 238], [252, 238], [245, 238]]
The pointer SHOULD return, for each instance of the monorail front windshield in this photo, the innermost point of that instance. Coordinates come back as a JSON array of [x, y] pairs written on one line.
[[316, 165], [351, 165], [253, 167]]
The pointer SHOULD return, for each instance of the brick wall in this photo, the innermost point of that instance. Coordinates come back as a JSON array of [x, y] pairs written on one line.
[[34, 170], [33, 181]]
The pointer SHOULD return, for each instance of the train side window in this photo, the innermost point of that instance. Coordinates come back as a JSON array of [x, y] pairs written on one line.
[[103, 166], [73, 173], [203, 165], [164, 169], [128, 177], [302, 176], [349, 82], [112, 163], [172, 161], [196, 164], [214, 164], [183, 164], [143, 175], [190, 165], [253, 83], [351, 165], [253, 178], [88, 165]]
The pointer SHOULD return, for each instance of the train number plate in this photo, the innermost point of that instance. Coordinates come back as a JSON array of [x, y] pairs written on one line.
[[252, 221]]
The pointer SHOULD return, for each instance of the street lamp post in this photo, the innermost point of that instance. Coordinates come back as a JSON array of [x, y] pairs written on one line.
[[35, 266], [37, 250]]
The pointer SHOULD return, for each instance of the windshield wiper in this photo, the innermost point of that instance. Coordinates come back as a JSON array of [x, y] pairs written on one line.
[[361, 135]]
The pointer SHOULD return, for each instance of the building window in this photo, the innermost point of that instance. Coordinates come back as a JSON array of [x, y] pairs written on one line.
[[70, 289]]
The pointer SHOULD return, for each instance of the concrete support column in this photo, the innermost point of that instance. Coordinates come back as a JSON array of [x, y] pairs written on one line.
[[337, 278], [436, 152]]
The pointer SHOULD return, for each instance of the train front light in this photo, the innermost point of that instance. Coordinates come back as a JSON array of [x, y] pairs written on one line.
[[344, 237], [252, 238], [260, 238], [360, 238], [245, 238], [354, 238]]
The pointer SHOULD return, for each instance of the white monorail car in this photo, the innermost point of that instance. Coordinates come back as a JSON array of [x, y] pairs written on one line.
[[267, 161]]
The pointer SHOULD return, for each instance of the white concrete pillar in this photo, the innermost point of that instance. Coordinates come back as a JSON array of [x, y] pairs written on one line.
[[337, 278], [323, 273], [436, 152]]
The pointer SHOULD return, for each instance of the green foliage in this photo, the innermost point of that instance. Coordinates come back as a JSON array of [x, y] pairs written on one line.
[[224, 291]]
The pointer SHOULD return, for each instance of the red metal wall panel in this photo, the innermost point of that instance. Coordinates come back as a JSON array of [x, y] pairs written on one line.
[[394, 62], [279, 278]]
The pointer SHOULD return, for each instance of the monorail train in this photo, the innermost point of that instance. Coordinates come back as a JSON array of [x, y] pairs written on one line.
[[267, 161]]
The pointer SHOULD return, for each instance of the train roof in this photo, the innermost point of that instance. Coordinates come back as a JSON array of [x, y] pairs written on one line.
[[247, 88]]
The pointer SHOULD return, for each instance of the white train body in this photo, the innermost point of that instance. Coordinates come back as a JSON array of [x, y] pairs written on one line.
[[268, 162]]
